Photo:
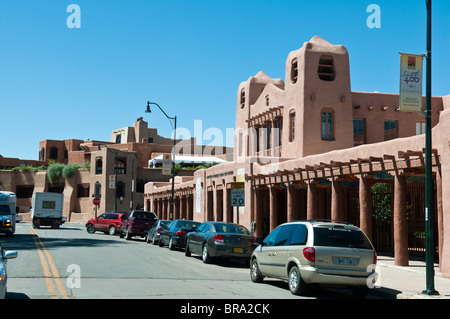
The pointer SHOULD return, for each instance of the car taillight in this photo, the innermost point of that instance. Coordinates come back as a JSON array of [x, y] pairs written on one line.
[[219, 239], [374, 257], [180, 233], [309, 253], [159, 230]]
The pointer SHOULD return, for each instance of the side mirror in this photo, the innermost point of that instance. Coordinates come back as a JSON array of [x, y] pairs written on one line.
[[10, 254]]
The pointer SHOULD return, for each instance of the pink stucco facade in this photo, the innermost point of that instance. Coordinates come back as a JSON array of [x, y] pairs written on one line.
[[307, 146]]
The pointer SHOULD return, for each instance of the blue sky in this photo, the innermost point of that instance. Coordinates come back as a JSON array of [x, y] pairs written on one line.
[[189, 56]]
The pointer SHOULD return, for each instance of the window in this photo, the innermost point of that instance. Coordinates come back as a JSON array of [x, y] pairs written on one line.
[[258, 131], [278, 129], [118, 138], [292, 129], [359, 133], [327, 125], [268, 136], [120, 190], [54, 153], [242, 100], [267, 100], [390, 130], [24, 191], [326, 68], [294, 71], [42, 154], [98, 166], [82, 190], [420, 128], [270, 239], [120, 166]]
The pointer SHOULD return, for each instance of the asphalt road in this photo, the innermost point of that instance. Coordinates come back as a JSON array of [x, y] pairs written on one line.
[[69, 263]]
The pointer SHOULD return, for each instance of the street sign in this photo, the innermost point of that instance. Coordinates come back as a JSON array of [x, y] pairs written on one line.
[[237, 197], [96, 201], [237, 185]]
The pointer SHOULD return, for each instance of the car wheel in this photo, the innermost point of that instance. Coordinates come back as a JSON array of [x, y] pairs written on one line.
[[154, 241], [171, 245], [90, 229], [296, 284], [205, 254], [187, 252], [127, 235], [255, 274], [112, 230]]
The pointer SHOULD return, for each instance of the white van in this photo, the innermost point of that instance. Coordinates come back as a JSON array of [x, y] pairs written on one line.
[[7, 213]]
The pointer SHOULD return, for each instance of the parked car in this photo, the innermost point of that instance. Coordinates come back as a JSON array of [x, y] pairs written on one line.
[[175, 234], [219, 239], [4, 256], [109, 223], [313, 252], [155, 231], [136, 223]]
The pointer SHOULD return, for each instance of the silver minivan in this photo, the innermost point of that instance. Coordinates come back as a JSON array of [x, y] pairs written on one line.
[[316, 252]]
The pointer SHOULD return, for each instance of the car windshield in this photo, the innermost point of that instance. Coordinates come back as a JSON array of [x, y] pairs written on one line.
[[186, 224], [147, 215], [4, 210], [233, 229], [340, 237]]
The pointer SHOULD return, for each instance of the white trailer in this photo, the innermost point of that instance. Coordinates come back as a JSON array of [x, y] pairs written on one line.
[[47, 209], [7, 213]]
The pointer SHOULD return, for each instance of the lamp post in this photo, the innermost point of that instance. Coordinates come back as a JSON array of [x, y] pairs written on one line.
[[173, 152], [428, 172]]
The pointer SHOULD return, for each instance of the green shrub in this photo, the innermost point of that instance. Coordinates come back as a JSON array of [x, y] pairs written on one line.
[[70, 169], [54, 171]]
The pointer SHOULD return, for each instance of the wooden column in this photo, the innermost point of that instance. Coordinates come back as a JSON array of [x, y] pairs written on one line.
[[337, 213], [400, 222], [311, 209], [365, 213], [273, 208]]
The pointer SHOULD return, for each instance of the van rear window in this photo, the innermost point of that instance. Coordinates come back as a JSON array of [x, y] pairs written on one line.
[[340, 237]]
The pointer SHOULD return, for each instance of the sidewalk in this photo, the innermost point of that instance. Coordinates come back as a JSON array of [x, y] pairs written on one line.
[[408, 282]]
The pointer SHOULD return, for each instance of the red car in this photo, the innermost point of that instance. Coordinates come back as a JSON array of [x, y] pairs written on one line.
[[109, 223]]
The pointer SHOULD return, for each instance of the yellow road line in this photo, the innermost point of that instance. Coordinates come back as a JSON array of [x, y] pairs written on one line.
[[45, 267]]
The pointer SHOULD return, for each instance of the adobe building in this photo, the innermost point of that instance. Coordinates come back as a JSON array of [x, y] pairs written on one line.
[[308, 147], [116, 170]]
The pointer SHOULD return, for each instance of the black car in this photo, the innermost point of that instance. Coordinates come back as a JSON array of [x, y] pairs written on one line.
[[155, 231], [175, 234], [220, 239]]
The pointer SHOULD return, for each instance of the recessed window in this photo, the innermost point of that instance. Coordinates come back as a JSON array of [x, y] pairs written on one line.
[[359, 132], [120, 166], [327, 125], [98, 166], [242, 98], [294, 71], [268, 136], [54, 153], [420, 128], [292, 127], [390, 130], [326, 68], [278, 129]]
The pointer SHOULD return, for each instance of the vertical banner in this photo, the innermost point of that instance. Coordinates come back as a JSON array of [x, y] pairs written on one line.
[[411, 75], [166, 165]]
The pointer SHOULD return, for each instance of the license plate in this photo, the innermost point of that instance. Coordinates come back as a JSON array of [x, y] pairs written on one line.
[[238, 250], [345, 261]]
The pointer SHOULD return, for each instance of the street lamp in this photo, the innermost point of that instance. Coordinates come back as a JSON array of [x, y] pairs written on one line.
[[428, 172], [173, 151]]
